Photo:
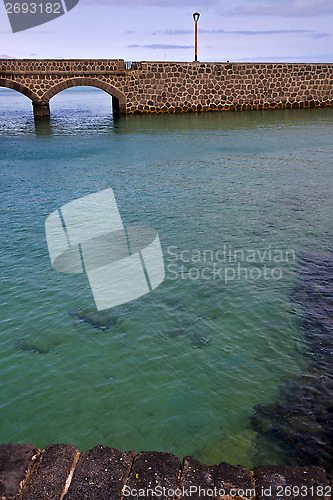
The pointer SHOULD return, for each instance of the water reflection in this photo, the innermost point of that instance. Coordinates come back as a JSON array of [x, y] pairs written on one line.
[[43, 126]]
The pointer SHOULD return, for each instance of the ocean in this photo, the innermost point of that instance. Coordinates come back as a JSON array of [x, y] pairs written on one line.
[[242, 203]]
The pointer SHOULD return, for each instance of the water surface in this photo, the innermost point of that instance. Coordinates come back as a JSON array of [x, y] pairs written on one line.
[[181, 368]]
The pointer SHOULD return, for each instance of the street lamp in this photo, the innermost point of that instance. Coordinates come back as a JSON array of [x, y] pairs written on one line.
[[196, 16]]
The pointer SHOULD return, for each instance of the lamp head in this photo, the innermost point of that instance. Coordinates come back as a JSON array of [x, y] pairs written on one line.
[[196, 16]]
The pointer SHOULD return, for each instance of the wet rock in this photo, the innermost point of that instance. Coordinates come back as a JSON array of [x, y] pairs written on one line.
[[100, 474], [49, 478], [16, 463], [215, 481], [154, 471], [274, 482]]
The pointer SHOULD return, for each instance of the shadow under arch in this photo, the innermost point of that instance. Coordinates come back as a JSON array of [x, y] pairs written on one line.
[[10, 84], [118, 98]]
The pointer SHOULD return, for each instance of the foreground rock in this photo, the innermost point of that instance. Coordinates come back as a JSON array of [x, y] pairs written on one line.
[[60, 472]]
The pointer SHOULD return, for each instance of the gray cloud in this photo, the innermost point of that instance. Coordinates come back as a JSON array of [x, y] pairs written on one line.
[[161, 46], [287, 8]]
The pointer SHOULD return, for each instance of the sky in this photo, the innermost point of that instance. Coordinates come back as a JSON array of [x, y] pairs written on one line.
[[143, 30]]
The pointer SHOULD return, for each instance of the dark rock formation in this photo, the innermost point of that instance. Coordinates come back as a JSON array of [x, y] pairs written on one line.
[[303, 418]]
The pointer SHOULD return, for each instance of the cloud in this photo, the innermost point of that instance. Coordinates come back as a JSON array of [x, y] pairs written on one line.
[[267, 32], [161, 46], [173, 32], [237, 32], [319, 35], [287, 8]]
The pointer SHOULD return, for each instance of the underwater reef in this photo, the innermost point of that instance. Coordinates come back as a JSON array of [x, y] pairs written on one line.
[[302, 419]]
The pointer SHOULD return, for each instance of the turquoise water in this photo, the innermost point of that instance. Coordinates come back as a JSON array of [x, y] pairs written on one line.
[[181, 368]]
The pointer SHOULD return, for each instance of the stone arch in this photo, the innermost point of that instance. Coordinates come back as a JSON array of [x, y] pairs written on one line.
[[118, 98], [10, 84]]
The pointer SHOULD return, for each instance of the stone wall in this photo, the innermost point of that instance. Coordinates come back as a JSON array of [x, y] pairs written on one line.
[[102, 473], [154, 87], [181, 87], [60, 65]]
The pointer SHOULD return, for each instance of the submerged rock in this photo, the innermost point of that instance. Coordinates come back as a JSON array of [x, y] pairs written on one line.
[[175, 332], [303, 417], [23, 345], [99, 320], [199, 341]]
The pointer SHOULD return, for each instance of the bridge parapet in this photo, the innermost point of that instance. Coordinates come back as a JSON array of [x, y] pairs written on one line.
[[52, 66]]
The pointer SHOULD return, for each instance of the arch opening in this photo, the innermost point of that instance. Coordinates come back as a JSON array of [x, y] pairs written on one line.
[[118, 98], [10, 84]]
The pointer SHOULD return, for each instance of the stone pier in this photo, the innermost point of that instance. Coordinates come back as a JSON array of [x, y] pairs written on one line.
[[41, 108]]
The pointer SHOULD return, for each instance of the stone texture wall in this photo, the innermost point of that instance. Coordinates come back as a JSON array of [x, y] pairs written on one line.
[[62, 472], [154, 87], [181, 87], [56, 65]]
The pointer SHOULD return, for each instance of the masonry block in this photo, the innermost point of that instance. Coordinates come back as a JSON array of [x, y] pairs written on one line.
[[16, 463], [41, 109], [100, 474], [279, 482], [49, 478], [199, 481], [153, 475]]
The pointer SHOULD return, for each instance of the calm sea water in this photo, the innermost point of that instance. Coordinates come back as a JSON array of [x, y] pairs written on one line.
[[181, 368]]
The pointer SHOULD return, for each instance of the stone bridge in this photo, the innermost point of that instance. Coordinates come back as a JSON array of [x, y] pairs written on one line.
[[153, 87]]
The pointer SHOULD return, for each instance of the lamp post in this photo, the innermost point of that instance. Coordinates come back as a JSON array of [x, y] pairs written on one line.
[[196, 16]]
